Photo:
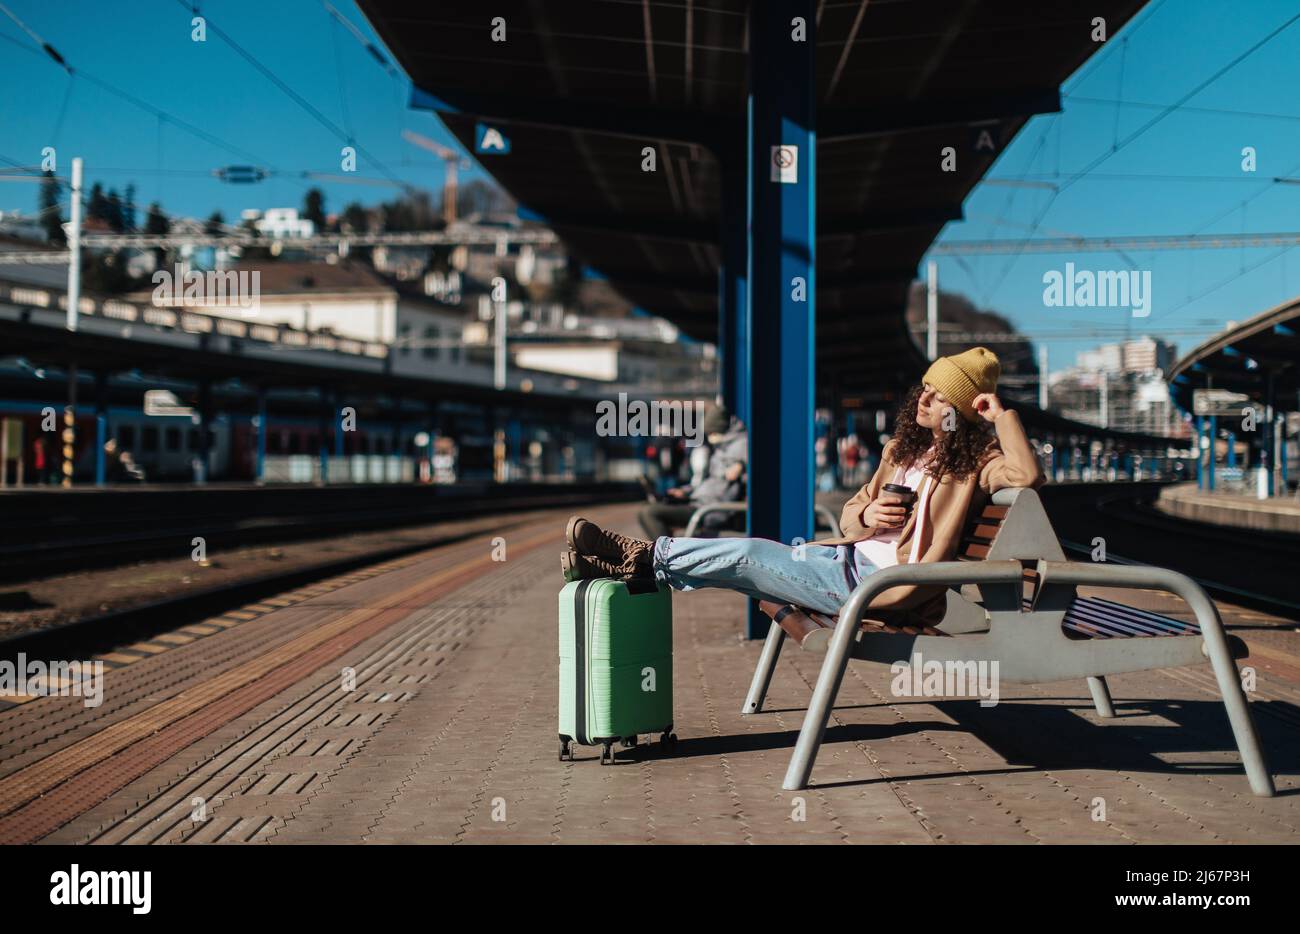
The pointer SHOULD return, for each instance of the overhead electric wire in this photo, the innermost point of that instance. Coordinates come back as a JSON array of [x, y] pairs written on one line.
[[45, 46], [63, 110], [143, 105], [1144, 17], [1214, 288], [1149, 105], [299, 99], [1136, 177], [1164, 112], [1055, 124], [360, 37], [343, 89], [1182, 100], [172, 119]]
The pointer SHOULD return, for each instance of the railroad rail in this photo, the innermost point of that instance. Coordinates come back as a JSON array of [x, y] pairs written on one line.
[[48, 531]]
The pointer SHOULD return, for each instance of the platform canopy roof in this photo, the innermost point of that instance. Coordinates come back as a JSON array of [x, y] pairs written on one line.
[[580, 87], [1245, 358]]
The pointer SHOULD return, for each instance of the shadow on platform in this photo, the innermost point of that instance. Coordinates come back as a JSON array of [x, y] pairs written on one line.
[[1044, 735]]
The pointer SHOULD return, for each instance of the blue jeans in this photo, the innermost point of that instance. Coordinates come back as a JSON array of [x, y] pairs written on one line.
[[763, 569]]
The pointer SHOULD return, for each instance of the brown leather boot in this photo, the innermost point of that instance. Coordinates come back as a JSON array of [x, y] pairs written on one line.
[[576, 567], [633, 556]]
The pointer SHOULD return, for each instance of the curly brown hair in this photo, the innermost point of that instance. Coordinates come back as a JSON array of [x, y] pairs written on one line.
[[959, 454]]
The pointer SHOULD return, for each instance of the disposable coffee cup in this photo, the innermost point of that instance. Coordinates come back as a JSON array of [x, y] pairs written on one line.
[[900, 490]]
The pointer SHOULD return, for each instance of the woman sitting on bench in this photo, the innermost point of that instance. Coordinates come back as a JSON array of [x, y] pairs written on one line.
[[954, 445]]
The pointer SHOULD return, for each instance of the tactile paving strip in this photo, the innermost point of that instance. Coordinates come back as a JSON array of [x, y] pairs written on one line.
[[39, 798]]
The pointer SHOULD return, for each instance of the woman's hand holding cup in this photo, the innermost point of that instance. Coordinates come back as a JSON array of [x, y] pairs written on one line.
[[888, 511]]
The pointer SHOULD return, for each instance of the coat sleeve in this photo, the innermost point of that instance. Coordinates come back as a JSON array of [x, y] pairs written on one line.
[[1013, 462], [851, 516]]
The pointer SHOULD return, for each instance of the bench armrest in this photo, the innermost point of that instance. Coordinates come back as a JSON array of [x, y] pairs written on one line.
[[698, 516]]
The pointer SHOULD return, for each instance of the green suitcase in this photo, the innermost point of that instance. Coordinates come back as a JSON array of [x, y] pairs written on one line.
[[616, 664]]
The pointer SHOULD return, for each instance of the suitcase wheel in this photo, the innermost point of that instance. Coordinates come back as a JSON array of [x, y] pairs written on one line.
[[566, 750], [629, 742], [668, 740], [607, 754]]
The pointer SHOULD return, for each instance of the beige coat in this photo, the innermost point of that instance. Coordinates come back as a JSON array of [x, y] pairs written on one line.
[[1010, 462]]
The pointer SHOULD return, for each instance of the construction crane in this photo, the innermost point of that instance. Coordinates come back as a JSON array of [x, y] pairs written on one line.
[[453, 161]]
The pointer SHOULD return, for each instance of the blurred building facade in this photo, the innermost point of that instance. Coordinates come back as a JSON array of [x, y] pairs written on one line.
[[1121, 386]]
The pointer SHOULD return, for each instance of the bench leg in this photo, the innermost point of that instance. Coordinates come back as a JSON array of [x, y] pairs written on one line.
[[1234, 699], [763, 673], [819, 708], [1101, 697]]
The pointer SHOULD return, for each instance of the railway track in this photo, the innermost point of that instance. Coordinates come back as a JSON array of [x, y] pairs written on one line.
[[1255, 569], [140, 622], [51, 531]]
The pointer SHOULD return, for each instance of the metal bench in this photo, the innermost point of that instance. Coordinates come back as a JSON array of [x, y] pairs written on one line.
[[828, 518], [1026, 615]]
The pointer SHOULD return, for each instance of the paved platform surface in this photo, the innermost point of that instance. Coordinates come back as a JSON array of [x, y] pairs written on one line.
[[241, 732], [1276, 514]]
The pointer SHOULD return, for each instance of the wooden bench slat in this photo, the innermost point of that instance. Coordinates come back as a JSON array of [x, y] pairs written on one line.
[[812, 630], [983, 531]]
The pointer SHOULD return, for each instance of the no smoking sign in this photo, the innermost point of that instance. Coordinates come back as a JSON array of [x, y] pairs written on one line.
[[785, 164]]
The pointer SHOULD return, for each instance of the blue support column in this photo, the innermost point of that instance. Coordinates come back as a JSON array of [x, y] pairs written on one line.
[[733, 285], [783, 206], [259, 471], [1267, 449], [101, 427], [514, 447], [1282, 489], [1200, 453], [1209, 461], [324, 446], [396, 453], [206, 420], [340, 448]]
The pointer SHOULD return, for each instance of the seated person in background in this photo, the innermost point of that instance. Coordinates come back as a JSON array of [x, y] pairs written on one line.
[[954, 445], [724, 481]]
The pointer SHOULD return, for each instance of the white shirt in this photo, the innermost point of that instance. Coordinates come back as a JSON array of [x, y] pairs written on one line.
[[882, 548]]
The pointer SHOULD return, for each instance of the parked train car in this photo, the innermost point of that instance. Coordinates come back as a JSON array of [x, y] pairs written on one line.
[[164, 449]]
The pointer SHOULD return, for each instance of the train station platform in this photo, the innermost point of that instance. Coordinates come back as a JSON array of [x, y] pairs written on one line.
[[1276, 514], [239, 729]]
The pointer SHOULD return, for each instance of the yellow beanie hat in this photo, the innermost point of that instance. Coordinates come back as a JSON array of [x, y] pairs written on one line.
[[964, 376]]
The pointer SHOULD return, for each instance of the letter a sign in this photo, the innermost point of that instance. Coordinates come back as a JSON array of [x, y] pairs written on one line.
[[490, 140], [986, 137]]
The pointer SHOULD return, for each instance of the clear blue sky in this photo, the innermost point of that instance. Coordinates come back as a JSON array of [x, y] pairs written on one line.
[[145, 49]]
